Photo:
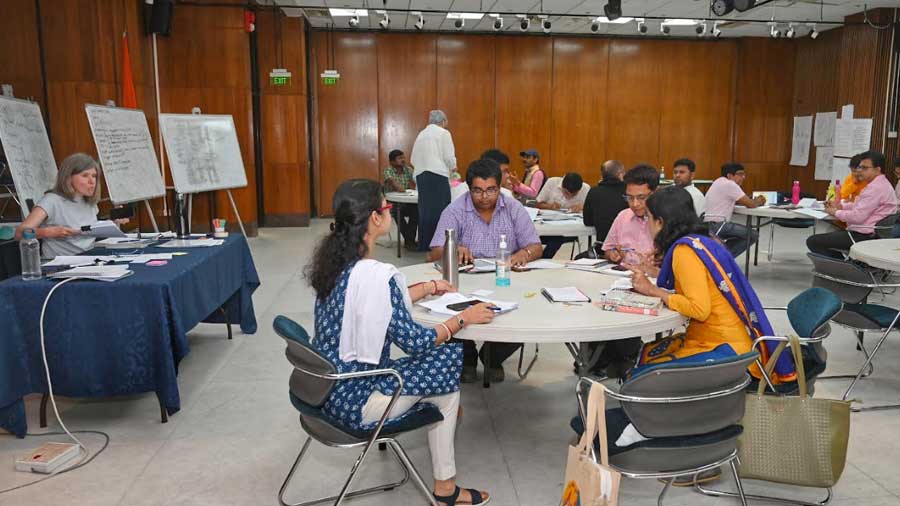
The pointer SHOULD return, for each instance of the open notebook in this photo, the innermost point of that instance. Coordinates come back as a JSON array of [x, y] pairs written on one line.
[[565, 294]]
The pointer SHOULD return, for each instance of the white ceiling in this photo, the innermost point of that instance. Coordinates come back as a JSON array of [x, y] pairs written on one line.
[[316, 11]]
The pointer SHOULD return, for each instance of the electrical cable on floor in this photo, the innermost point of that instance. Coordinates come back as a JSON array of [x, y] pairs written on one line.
[[85, 458]]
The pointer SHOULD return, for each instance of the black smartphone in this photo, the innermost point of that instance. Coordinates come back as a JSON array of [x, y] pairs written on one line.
[[459, 306], [619, 268]]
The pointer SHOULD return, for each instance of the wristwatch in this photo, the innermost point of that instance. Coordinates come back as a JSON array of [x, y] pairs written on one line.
[[460, 321]]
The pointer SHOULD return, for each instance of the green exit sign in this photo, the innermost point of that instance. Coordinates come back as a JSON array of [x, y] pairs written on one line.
[[330, 77], [280, 81], [279, 77]]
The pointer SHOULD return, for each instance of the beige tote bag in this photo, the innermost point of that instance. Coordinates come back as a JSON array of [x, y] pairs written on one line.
[[587, 482]]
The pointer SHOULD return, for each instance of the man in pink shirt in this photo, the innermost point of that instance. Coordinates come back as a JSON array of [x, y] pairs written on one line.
[[722, 196], [876, 202], [629, 239]]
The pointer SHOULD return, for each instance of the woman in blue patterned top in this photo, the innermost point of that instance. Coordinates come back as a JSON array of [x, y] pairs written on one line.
[[362, 308]]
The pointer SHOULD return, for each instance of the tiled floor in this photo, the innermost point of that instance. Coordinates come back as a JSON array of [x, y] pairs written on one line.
[[237, 434]]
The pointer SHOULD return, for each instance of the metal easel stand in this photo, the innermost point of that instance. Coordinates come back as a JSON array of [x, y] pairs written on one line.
[[150, 214]]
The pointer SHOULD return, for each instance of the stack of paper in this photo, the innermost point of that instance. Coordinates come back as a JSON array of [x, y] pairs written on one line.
[[96, 272], [124, 243], [587, 264], [192, 243], [440, 304], [543, 264], [103, 228], [630, 299], [480, 265], [812, 213]]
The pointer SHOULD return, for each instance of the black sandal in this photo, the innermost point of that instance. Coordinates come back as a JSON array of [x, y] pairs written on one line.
[[450, 500]]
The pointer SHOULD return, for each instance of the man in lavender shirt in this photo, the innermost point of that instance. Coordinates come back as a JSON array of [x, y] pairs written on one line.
[[876, 202], [479, 219]]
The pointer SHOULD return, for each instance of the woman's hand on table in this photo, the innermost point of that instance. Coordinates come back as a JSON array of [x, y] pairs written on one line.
[[440, 287], [479, 313]]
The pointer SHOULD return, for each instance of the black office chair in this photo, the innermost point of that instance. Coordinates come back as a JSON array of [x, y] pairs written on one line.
[[690, 412], [312, 381]]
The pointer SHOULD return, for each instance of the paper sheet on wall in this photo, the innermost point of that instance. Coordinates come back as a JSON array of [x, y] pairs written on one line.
[[801, 139], [824, 159], [824, 134], [840, 167], [852, 136], [847, 111]]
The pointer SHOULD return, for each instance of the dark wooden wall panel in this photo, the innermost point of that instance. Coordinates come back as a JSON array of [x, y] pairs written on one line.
[[633, 101], [764, 112], [465, 91], [578, 129], [284, 121], [523, 90], [407, 90], [19, 50], [347, 113], [696, 105]]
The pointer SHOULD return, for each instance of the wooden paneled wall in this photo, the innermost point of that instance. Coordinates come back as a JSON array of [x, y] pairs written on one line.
[[285, 132], [204, 63], [579, 101]]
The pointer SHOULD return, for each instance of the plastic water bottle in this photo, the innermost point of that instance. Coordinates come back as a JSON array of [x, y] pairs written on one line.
[[837, 191], [30, 251], [502, 264], [662, 174], [795, 193]]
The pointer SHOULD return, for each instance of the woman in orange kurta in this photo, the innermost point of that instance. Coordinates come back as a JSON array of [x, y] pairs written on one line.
[[709, 288]]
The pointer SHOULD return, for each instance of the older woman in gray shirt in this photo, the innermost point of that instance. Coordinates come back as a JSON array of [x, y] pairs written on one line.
[[72, 203]]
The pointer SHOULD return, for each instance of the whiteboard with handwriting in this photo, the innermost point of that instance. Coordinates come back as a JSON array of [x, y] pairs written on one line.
[[127, 155], [204, 153], [27, 148]]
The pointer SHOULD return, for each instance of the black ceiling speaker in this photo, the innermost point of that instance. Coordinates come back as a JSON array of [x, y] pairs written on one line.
[[158, 16], [613, 9]]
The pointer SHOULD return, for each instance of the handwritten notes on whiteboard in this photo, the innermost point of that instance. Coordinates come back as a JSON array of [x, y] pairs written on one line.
[[203, 150], [801, 140], [127, 155], [27, 148]]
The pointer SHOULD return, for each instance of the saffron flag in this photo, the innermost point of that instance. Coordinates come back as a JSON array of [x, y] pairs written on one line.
[[129, 98]]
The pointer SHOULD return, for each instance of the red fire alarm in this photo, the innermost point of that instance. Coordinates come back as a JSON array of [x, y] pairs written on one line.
[[249, 21]]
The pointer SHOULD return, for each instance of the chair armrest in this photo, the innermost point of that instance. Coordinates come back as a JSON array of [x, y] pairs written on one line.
[[689, 398], [775, 308]]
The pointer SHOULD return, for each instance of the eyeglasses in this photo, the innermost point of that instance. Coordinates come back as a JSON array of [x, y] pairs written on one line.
[[863, 167], [490, 192], [384, 208], [632, 198]]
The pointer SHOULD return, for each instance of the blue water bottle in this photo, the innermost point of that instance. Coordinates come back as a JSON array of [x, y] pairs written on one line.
[[502, 264]]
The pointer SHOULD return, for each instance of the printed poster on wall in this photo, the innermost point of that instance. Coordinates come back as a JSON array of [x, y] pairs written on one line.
[[824, 134], [801, 140], [824, 160]]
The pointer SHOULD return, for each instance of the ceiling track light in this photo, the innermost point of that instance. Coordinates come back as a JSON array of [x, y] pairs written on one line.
[[642, 27], [595, 26], [420, 23], [774, 32], [459, 24], [700, 29], [814, 33], [715, 30], [498, 23], [545, 24], [664, 29], [790, 31], [385, 21], [525, 22], [354, 21]]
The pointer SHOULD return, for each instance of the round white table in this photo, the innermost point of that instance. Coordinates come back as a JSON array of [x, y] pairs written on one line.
[[879, 253], [538, 320], [760, 213], [410, 197]]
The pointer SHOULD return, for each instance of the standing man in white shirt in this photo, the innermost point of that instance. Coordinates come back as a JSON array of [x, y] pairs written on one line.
[[683, 176], [434, 159]]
